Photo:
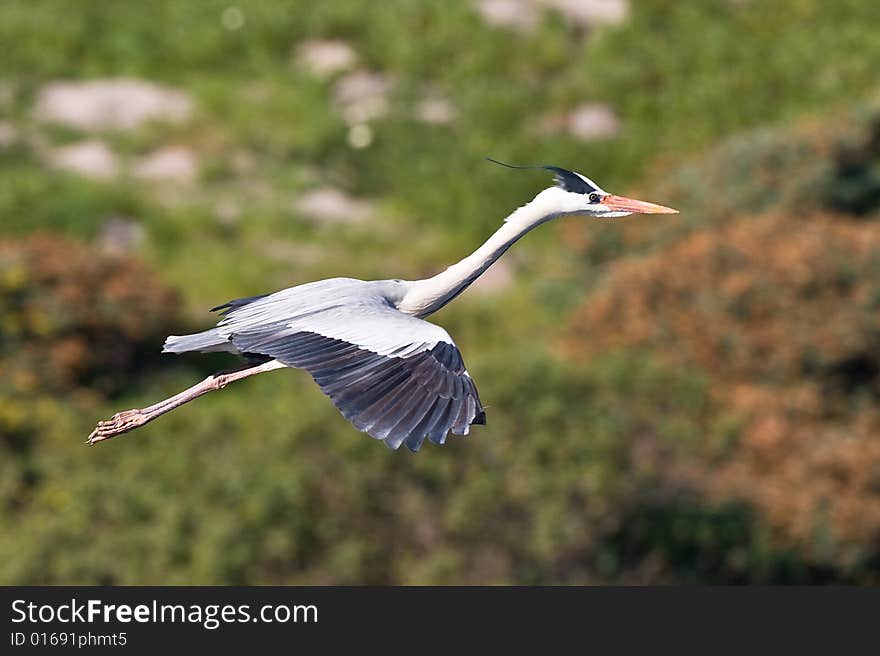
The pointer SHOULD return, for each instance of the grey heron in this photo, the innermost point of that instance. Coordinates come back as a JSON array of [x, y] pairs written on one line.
[[366, 344]]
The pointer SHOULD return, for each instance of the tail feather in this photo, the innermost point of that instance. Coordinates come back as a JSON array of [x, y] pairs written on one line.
[[207, 341]]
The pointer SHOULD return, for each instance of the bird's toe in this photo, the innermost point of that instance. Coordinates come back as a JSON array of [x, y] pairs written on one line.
[[120, 423]]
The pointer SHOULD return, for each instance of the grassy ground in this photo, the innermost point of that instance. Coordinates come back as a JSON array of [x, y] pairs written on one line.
[[265, 483]]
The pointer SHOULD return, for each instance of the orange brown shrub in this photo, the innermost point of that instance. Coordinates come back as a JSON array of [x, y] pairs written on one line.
[[782, 312], [71, 315]]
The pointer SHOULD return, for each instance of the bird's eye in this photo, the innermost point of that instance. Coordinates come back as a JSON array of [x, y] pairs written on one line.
[[595, 198]]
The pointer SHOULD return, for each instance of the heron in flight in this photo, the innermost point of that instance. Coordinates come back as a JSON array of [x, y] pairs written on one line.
[[367, 345]]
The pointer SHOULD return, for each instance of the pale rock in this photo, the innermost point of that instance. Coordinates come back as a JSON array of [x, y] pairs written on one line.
[[593, 122], [517, 15], [331, 205], [591, 13], [435, 109], [363, 96], [168, 164], [524, 15], [91, 159], [325, 58], [111, 104]]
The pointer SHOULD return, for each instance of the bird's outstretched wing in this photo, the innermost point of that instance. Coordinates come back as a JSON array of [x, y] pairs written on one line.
[[395, 377]]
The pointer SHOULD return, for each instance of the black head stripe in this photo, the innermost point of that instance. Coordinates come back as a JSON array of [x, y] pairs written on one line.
[[567, 180], [570, 181]]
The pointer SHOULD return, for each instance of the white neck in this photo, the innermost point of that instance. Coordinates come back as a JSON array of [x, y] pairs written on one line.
[[427, 296]]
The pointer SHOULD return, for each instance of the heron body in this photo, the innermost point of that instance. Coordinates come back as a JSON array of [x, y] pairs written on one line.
[[392, 374]]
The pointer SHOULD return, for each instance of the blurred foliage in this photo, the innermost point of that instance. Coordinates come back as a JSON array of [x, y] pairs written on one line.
[[76, 325], [782, 311], [829, 163], [74, 317], [709, 414]]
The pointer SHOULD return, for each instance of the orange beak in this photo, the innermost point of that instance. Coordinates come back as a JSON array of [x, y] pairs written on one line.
[[623, 204]]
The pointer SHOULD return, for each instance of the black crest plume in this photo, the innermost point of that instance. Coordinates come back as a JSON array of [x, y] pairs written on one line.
[[567, 180]]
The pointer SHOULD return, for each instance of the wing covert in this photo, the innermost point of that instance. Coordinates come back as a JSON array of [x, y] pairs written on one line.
[[395, 377]]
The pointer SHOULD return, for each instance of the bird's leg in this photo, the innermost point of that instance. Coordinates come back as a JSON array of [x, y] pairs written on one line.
[[122, 422]]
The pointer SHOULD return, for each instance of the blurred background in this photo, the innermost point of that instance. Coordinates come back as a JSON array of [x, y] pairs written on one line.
[[687, 399]]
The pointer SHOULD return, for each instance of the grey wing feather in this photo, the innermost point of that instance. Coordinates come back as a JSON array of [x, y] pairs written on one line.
[[395, 377]]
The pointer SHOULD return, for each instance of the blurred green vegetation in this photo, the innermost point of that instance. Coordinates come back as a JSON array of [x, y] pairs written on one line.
[[611, 455]]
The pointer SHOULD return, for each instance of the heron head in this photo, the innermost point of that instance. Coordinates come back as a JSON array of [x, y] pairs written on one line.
[[577, 194]]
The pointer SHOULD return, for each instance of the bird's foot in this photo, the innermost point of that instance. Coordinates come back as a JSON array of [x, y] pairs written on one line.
[[120, 423]]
